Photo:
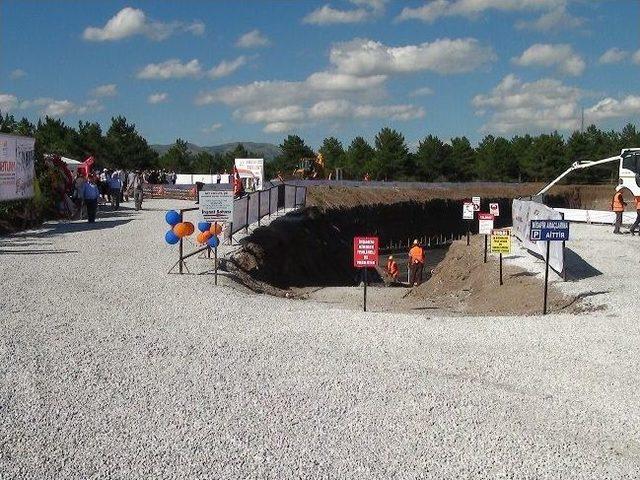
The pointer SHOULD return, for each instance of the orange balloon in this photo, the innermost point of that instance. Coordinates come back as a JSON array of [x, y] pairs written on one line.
[[190, 228], [182, 229], [203, 237], [216, 229]]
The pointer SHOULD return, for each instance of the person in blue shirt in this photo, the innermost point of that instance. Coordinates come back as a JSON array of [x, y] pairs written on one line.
[[91, 194]]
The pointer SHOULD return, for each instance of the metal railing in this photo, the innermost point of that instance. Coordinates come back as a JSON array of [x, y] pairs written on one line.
[[254, 206]]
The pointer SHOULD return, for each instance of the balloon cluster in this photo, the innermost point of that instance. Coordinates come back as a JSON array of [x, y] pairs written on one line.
[[208, 233]]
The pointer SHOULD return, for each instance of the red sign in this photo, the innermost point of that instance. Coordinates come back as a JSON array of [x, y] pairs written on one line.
[[365, 252]]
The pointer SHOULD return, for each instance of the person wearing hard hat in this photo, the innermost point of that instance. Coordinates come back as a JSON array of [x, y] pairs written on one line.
[[617, 205], [416, 264], [392, 268]]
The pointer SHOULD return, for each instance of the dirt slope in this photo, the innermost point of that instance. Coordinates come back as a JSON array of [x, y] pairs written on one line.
[[463, 283]]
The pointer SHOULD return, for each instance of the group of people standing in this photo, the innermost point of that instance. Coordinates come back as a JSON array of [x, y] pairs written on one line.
[[107, 186], [618, 205], [416, 265]]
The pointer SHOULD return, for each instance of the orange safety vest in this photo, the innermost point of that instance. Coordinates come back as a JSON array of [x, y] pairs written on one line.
[[416, 254], [392, 268], [618, 204]]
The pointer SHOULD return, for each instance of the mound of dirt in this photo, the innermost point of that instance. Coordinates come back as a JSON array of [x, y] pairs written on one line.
[[463, 283]]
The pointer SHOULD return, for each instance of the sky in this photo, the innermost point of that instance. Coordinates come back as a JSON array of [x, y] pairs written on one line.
[[213, 72]]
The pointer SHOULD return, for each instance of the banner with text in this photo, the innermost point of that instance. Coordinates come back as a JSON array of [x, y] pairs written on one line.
[[523, 211], [17, 167]]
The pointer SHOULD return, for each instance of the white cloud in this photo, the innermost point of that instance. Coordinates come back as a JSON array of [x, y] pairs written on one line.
[[61, 108], [334, 109], [225, 68], [287, 113], [109, 90], [556, 19], [212, 128], [515, 106], [342, 81], [327, 15], [613, 55], [613, 108], [253, 39], [422, 92], [172, 68], [636, 58], [560, 56], [8, 102], [278, 127], [435, 9], [129, 22], [17, 74], [158, 97], [367, 57]]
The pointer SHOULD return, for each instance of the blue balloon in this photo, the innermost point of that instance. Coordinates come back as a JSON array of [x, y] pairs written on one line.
[[213, 241], [172, 217], [204, 226], [171, 238]]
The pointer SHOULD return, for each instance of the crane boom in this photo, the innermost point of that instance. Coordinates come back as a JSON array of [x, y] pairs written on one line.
[[579, 166]]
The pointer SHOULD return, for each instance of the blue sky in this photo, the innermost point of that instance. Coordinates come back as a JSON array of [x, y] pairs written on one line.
[[214, 72]]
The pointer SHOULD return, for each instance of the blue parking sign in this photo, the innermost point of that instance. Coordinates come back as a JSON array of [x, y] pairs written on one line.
[[549, 230]]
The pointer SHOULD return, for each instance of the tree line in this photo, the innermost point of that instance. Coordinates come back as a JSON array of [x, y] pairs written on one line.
[[521, 158]]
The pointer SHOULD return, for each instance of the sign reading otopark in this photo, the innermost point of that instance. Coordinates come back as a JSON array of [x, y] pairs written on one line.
[[17, 167]]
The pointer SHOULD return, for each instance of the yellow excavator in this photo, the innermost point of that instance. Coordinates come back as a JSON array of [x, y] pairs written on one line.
[[310, 168]]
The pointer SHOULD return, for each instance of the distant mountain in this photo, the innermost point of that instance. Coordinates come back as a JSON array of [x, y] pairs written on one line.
[[266, 150]]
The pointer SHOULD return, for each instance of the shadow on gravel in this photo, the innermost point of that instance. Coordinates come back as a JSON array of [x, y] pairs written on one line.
[[35, 252], [577, 268], [61, 228]]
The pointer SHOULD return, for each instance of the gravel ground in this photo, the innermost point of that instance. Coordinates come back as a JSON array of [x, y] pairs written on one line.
[[110, 368]]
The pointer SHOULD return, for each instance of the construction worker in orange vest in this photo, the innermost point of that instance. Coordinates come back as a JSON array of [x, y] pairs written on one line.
[[637, 222], [392, 268], [416, 264], [617, 205]]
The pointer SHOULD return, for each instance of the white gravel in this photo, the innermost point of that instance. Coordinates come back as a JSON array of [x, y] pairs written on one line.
[[110, 368]]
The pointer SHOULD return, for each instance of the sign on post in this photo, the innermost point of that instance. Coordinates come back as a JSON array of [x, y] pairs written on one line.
[[217, 205], [476, 203], [501, 241], [468, 210], [365, 255], [549, 230], [494, 209], [485, 223], [365, 252]]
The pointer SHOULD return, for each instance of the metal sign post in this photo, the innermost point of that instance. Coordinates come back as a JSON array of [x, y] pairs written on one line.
[[468, 213], [485, 226], [501, 243], [365, 255], [548, 231]]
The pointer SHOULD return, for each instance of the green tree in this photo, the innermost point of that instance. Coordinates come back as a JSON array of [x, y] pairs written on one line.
[[91, 142], [548, 157], [359, 158], [432, 159], [494, 160], [391, 155], [53, 136], [462, 165], [521, 150], [333, 153], [25, 128], [178, 157], [293, 149], [127, 148]]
